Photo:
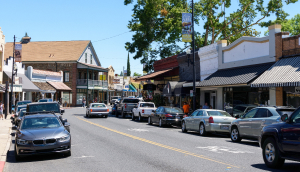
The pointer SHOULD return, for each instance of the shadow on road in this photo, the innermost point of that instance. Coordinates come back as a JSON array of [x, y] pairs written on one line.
[[290, 167], [253, 143]]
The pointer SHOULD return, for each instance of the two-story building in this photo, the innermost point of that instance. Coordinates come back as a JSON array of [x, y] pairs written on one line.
[[82, 70]]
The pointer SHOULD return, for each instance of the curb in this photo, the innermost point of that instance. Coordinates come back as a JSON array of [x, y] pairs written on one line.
[[2, 163]]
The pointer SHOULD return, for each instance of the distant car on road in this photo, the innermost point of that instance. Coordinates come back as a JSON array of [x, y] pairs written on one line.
[[281, 141], [240, 110], [114, 98], [42, 134], [166, 115], [250, 125], [45, 100], [143, 110], [206, 121], [97, 109], [126, 105]]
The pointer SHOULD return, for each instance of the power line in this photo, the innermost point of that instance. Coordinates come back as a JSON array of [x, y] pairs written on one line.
[[111, 37]]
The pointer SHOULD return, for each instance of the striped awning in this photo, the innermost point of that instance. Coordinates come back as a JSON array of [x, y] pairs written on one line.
[[284, 73]]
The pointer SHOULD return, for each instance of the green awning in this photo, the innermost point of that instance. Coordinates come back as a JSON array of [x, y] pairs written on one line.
[[131, 87]]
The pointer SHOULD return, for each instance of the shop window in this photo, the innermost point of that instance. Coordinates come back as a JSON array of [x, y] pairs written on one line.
[[66, 76], [67, 98]]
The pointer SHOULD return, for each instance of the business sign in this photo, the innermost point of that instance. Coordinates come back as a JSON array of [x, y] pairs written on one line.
[[191, 93], [18, 53], [125, 72], [126, 86], [187, 27], [116, 81], [102, 77]]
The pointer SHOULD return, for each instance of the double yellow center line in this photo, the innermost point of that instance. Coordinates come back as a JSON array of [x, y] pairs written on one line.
[[160, 145]]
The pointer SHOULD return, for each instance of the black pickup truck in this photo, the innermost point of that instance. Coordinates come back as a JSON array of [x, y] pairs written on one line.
[[281, 141]]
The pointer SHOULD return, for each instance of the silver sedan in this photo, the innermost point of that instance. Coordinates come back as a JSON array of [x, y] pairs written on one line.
[[97, 109], [207, 120]]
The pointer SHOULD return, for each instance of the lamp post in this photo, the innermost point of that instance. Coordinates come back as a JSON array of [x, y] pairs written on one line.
[[14, 72]]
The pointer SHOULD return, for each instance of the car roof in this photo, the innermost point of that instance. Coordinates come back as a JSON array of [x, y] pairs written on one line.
[[246, 105], [212, 110], [25, 101], [35, 103], [98, 103], [40, 115]]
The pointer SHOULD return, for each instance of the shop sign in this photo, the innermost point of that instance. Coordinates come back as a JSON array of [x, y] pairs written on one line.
[[102, 77], [297, 89], [187, 27], [191, 93], [116, 81], [126, 86]]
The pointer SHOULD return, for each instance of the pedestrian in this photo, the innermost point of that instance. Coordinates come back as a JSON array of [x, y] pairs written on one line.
[[1, 110], [83, 102], [205, 106], [186, 108]]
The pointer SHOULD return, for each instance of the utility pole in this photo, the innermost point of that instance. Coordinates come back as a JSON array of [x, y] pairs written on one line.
[[123, 84], [194, 70], [12, 77]]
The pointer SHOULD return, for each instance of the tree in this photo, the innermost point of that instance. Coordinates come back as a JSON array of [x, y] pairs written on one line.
[[157, 24], [121, 74], [291, 25], [128, 66], [137, 74]]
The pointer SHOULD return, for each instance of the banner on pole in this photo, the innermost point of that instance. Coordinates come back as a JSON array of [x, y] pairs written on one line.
[[18, 53], [125, 73], [187, 27]]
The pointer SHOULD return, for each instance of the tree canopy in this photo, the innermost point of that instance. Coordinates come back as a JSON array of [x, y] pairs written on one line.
[[157, 24], [136, 74], [291, 25]]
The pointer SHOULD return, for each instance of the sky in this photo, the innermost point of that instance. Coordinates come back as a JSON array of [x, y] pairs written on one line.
[[102, 22]]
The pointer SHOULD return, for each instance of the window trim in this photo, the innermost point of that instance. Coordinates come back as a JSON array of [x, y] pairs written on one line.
[[65, 72], [85, 57], [91, 60]]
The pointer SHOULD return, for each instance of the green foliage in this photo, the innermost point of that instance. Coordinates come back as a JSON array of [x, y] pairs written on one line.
[[157, 24], [291, 25], [128, 66], [137, 74], [121, 74]]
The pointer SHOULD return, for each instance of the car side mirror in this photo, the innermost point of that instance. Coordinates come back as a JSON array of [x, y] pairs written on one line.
[[62, 111], [67, 124], [64, 121], [285, 118]]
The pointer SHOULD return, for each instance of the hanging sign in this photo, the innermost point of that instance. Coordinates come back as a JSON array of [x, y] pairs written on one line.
[[18, 53], [186, 27], [191, 93]]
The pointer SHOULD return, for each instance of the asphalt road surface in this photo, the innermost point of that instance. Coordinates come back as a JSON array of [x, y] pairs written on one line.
[[117, 144]]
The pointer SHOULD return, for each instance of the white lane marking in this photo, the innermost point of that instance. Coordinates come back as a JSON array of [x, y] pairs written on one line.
[[221, 149], [85, 157], [138, 130]]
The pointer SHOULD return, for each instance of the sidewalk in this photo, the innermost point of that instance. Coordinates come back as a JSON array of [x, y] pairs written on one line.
[[5, 139]]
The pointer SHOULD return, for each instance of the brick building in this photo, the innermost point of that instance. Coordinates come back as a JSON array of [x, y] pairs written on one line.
[[82, 70]]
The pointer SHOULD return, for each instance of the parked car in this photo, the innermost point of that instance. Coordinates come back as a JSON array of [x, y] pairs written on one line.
[[17, 112], [97, 109], [47, 107], [206, 121], [45, 100], [126, 105], [20, 103], [166, 115], [114, 98], [19, 117], [250, 125], [42, 133], [281, 141], [131, 96], [143, 110], [240, 110]]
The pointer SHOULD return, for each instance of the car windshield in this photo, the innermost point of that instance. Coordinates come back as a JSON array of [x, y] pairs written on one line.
[[239, 109], [218, 113], [285, 111], [147, 105], [131, 100], [40, 122], [23, 103], [22, 113], [173, 110], [98, 105], [44, 107]]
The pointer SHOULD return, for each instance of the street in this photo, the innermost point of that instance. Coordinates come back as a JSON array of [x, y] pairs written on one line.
[[117, 144]]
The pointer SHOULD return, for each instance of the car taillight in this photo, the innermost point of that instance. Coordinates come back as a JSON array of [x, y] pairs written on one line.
[[107, 110], [143, 111], [185, 116], [211, 119], [168, 115], [91, 110], [125, 106]]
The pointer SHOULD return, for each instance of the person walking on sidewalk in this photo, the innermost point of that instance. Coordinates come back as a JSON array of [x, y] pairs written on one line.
[[1, 110], [186, 108], [83, 102]]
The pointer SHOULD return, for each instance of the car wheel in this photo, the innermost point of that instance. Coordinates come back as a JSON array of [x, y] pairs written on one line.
[[105, 116], [123, 114], [183, 127], [149, 120], [202, 130], [160, 123], [271, 154], [17, 157], [140, 118], [235, 135], [132, 117]]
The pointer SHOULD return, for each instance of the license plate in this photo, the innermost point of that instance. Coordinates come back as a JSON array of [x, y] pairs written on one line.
[[100, 114], [224, 127]]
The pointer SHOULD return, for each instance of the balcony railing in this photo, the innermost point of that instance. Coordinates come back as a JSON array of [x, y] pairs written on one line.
[[92, 83]]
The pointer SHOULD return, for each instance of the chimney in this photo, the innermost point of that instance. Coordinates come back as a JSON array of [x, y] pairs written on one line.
[[25, 39]]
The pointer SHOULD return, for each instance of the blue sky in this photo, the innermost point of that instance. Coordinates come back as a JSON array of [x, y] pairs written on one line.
[[94, 20]]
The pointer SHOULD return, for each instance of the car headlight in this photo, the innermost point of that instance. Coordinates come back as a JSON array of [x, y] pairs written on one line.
[[64, 138], [22, 142]]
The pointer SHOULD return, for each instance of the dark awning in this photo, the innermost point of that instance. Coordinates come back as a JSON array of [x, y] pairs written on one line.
[[169, 88], [235, 76], [180, 90], [155, 74], [285, 72]]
